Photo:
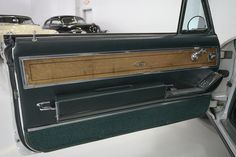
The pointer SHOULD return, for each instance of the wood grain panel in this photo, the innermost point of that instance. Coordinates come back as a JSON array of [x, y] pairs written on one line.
[[53, 70]]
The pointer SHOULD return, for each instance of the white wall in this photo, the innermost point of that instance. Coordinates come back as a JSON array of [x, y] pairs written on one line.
[[224, 18], [43, 9], [127, 16], [20, 7]]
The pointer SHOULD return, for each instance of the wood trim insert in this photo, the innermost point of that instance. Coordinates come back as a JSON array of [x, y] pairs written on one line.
[[62, 69]]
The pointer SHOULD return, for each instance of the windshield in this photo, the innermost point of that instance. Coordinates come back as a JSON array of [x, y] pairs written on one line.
[[14, 19], [73, 20]]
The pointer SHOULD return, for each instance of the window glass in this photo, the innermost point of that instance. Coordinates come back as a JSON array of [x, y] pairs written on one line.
[[132, 16], [16, 19], [56, 22], [69, 20], [194, 19], [47, 23], [27, 21], [10, 19], [80, 20]]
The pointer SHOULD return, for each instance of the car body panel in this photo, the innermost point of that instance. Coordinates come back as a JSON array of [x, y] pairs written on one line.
[[37, 124], [224, 98]]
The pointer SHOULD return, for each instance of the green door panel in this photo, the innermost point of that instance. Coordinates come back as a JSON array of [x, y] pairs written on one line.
[[97, 128]]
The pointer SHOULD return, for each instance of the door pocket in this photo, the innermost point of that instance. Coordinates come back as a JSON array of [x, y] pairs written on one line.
[[106, 100]]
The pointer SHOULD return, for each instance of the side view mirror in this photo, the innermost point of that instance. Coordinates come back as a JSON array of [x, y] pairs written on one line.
[[197, 23]]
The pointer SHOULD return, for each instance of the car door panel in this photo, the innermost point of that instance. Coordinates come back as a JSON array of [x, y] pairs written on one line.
[[151, 114], [74, 89]]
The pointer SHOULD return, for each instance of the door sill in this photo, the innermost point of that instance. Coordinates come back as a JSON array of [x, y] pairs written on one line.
[[222, 133]]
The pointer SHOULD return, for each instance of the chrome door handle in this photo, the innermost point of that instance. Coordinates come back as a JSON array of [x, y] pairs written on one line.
[[196, 54], [45, 106]]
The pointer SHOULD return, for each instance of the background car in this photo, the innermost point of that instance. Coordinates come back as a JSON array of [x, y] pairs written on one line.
[[71, 24], [17, 24]]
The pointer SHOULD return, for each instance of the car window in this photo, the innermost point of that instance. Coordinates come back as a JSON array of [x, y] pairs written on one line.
[[194, 19], [4, 19], [26, 21], [80, 20], [47, 23], [16, 19], [69, 20], [56, 22]]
